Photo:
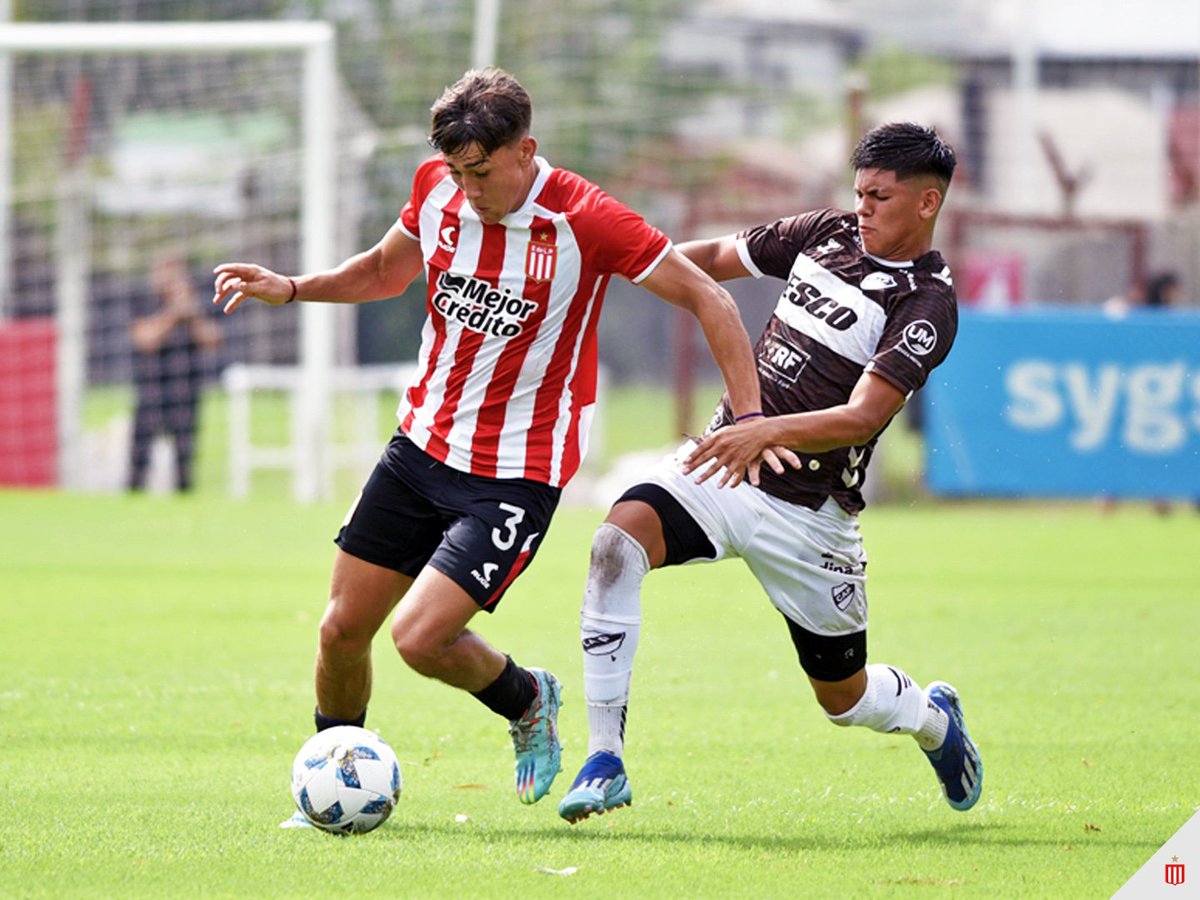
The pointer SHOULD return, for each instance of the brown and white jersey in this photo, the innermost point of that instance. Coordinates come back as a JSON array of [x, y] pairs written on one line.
[[841, 312]]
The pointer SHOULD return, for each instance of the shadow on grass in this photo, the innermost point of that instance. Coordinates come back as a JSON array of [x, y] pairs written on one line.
[[982, 834]]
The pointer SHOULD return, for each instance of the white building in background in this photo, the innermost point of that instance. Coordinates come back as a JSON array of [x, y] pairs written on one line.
[[1059, 108], [760, 50]]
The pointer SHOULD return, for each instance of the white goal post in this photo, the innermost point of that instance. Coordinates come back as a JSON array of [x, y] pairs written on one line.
[[315, 42]]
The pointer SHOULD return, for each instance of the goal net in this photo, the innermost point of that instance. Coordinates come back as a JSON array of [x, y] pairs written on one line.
[[126, 145]]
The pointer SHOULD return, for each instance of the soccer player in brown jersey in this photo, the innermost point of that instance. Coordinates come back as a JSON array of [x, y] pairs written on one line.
[[866, 312]]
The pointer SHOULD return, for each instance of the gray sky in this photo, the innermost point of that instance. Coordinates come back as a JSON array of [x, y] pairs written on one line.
[[1124, 27]]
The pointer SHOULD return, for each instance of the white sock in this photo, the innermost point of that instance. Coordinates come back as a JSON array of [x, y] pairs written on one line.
[[610, 624], [895, 704]]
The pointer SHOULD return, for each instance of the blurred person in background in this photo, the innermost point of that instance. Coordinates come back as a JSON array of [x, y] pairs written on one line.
[[1159, 292], [867, 310], [1162, 291], [171, 342], [516, 255]]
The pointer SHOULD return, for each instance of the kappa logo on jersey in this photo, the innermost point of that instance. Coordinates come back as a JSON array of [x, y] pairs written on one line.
[[843, 595], [541, 259], [446, 239], [479, 306], [782, 360], [920, 337], [877, 281], [806, 297], [489, 569]]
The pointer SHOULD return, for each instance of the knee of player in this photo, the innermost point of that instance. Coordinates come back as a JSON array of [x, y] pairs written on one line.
[[839, 698], [615, 554], [419, 655], [341, 637]]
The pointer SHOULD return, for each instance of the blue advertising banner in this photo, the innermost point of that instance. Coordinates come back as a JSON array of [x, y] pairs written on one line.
[[1055, 403]]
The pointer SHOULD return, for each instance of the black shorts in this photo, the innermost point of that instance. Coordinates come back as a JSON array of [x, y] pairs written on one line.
[[415, 511]]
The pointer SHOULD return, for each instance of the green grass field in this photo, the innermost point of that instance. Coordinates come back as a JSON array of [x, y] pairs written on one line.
[[156, 652]]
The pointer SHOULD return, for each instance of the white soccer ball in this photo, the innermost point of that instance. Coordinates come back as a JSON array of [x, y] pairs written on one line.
[[346, 780]]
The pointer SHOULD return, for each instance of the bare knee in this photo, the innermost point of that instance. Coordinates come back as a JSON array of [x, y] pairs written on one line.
[[838, 697], [419, 653], [341, 638]]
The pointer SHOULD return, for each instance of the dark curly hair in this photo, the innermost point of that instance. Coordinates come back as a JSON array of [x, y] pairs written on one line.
[[487, 107]]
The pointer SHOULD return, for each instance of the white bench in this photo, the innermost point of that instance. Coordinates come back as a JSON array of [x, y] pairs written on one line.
[[357, 447]]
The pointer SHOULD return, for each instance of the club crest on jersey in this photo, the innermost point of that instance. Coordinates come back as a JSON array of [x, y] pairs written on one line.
[[877, 281], [479, 306], [541, 260]]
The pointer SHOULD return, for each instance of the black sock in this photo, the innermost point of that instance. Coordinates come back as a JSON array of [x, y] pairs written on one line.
[[323, 721], [510, 694]]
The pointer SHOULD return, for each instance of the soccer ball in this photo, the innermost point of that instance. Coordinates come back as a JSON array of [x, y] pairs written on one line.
[[346, 780]]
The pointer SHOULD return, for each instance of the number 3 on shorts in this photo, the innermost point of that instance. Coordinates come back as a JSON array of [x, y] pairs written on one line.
[[506, 540]]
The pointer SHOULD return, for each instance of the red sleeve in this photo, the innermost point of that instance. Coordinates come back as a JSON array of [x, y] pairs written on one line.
[[429, 174], [613, 236]]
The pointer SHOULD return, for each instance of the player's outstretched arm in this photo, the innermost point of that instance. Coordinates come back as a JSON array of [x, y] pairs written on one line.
[[384, 271], [681, 283], [871, 406]]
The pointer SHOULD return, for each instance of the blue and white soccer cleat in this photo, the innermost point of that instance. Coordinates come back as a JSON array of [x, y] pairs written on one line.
[[297, 820], [957, 762], [601, 785], [535, 740]]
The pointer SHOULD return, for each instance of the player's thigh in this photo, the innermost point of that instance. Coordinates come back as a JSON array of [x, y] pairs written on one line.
[[361, 595], [687, 522], [812, 565], [433, 613]]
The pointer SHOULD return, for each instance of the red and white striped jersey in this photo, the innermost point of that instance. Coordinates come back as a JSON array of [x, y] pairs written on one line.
[[506, 378]]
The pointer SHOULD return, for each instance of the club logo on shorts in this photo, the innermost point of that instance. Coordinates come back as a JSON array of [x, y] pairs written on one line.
[[603, 644], [843, 595], [541, 259]]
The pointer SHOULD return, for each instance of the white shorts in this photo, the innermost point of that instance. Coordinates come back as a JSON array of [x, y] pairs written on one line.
[[811, 563]]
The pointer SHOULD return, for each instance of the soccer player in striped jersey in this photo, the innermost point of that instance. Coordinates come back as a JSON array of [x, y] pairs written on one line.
[[516, 256], [866, 312]]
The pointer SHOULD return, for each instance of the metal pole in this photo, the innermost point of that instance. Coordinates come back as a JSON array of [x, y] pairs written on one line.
[[487, 29], [317, 320], [6, 171], [1025, 88]]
